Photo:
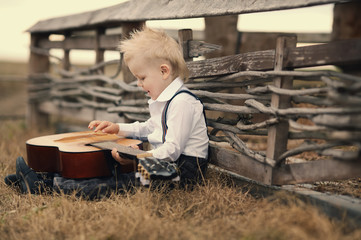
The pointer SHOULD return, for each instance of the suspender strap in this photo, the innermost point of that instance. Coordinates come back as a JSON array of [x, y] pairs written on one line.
[[165, 109]]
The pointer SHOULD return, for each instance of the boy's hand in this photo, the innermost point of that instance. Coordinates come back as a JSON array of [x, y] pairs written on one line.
[[119, 159], [104, 126]]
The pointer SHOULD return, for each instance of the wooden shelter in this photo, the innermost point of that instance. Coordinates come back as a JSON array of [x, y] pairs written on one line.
[[302, 111]]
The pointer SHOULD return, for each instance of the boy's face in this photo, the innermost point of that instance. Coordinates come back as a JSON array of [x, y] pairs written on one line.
[[149, 75]]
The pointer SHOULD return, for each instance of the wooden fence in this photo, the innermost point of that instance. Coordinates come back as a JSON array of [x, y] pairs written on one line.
[[269, 119]]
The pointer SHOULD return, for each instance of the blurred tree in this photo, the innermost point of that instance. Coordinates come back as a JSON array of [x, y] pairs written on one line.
[[347, 25], [222, 30]]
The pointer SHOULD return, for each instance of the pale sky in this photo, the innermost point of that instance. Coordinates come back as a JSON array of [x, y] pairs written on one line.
[[16, 16]]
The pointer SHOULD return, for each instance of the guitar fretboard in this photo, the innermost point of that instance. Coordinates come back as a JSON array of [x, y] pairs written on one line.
[[120, 148], [149, 168]]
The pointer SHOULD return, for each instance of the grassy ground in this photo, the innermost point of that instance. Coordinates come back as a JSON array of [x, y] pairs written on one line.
[[216, 210], [13, 68]]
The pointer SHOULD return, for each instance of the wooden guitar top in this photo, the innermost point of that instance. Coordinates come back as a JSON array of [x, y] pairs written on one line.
[[79, 141]]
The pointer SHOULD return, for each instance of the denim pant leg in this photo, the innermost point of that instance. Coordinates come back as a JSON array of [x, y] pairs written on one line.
[[99, 186], [192, 170], [95, 187]]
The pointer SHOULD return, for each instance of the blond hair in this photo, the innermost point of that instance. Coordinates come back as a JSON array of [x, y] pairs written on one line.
[[150, 43]]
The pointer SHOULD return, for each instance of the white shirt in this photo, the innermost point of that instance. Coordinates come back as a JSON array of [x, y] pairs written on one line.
[[187, 130]]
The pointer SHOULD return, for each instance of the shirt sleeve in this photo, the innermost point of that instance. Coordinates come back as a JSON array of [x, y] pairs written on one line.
[[180, 124], [139, 130]]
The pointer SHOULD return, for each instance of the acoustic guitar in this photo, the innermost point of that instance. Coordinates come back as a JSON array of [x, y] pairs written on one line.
[[85, 155]]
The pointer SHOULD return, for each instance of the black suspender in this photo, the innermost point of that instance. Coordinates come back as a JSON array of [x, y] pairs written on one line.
[[164, 113]]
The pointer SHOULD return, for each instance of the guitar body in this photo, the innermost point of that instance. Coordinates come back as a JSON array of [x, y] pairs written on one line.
[[71, 155]]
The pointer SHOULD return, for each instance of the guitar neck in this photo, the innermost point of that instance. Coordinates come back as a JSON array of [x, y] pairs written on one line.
[[149, 168], [109, 145]]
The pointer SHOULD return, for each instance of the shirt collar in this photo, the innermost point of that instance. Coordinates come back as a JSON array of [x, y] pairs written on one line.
[[169, 92]]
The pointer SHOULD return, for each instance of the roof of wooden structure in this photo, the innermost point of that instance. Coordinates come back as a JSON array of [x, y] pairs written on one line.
[[142, 10]]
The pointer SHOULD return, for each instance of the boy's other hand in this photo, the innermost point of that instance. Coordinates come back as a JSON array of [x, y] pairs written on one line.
[[104, 126], [119, 159]]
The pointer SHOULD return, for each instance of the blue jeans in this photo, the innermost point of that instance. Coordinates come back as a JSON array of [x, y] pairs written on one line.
[[191, 170]]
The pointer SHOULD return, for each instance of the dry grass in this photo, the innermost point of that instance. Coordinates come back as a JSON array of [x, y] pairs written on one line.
[[351, 187], [217, 210]]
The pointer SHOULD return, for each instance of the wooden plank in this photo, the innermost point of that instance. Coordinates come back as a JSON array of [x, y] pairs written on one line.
[[111, 42], [47, 44], [240, 164], [320, 170], [142, 10], [81, 43], [106, 42], [333, 53], [338, 53], [302, 37], [256, 61]]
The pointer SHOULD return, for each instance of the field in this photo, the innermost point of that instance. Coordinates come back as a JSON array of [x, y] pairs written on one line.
[[218, 209]]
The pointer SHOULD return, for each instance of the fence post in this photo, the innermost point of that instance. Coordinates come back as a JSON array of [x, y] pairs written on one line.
[[184, 36], [99, 53], [127, 28], [66, 59], [278, 134], [128, 77], [38, 63]]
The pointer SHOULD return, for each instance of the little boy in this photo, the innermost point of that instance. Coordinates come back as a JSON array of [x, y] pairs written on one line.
[[176, 130]]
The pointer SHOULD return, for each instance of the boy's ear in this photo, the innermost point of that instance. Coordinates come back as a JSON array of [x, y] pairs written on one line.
[[165, 69]]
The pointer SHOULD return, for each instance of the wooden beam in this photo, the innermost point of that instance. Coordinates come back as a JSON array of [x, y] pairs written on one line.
[[333, 53], [111, 42], [256, 61], [319, 170], [306, 172], [240, 164], [141, 10], [80, 43], [302, 37]]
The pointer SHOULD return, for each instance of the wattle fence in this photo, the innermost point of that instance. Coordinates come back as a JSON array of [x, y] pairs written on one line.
[[269, 118]]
